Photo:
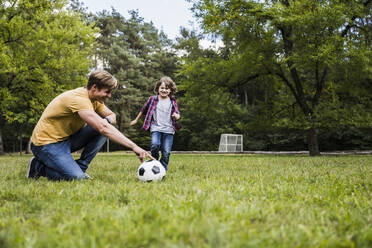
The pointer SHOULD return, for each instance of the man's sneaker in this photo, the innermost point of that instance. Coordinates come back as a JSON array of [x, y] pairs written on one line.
[[87, 177], [31, 171]]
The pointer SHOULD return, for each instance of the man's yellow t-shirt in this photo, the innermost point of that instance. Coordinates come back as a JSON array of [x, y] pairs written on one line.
[[60, 119]]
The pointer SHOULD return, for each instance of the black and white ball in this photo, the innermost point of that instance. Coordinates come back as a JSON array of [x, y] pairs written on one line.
[[151, 170]]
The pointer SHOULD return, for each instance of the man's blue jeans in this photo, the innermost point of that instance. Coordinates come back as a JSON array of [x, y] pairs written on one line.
[[55, 160], [161, 142]]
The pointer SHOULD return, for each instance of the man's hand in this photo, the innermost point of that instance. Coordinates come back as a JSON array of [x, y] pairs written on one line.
[[142, 154], [134, 122]]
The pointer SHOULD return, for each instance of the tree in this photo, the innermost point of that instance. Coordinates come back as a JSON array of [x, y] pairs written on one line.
[[45, 48], [208, 109], [137, 55], [297, 48]]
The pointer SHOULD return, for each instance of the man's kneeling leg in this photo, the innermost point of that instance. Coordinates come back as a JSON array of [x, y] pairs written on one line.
[[91, 141], [56, 162]]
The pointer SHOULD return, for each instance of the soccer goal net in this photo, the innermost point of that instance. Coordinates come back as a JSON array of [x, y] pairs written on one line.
[[231, 143]]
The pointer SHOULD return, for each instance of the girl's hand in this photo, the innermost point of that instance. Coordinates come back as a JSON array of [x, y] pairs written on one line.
[[175, 116], [134, 122]]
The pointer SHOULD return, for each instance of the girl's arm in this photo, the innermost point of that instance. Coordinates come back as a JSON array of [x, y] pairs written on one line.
[[134, 122], [176, 114], [144, 110]]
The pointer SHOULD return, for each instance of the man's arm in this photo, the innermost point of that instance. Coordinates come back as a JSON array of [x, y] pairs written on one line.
[[107, 113], [108, 130]]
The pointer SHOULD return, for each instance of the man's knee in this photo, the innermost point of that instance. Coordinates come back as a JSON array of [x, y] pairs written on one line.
[[102, 139]]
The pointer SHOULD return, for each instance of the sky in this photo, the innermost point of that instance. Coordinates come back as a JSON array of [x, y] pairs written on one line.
[[167, 15]]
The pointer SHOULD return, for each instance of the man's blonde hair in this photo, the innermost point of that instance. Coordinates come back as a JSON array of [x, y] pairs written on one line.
[[102, 79]]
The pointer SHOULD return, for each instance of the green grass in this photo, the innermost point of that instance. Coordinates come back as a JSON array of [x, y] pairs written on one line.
[[205, 201]]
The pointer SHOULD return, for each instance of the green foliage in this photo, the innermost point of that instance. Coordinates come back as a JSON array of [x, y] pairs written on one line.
[[205, 201], [286, 67], [138, 55], [44, 50], [310, 60]]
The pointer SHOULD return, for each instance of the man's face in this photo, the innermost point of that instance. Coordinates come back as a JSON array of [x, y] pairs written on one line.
[[101, 95]]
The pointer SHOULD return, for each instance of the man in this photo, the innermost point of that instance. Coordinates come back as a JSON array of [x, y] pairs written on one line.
[[74, 120]]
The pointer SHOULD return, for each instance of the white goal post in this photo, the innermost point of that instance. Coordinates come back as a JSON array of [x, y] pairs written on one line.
[[231, 143]]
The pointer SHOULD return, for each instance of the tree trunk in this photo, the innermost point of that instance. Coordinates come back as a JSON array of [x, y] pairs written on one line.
[[312, 142], [1, 144], [20, 144], [245, 98]]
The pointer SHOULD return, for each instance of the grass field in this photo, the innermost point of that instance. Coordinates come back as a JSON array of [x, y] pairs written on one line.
[[205, 201]]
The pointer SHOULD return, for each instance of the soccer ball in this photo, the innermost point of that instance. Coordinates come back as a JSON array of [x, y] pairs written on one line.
[[151, 170]]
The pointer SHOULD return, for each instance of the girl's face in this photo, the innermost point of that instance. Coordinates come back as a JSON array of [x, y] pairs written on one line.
[[163, 91]]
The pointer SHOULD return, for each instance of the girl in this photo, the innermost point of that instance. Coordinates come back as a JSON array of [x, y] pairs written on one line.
[[161, 113]]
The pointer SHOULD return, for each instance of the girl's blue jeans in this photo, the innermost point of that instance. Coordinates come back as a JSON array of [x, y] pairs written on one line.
[[55, 160], [161, 142]]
